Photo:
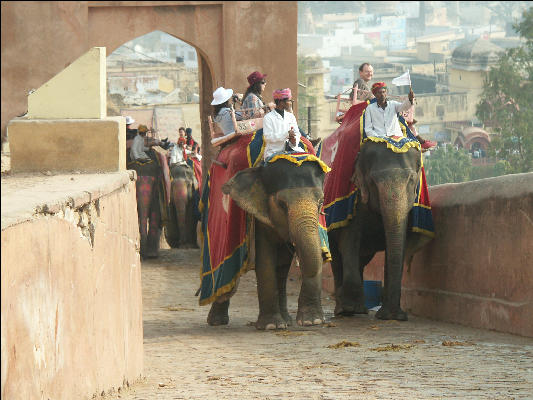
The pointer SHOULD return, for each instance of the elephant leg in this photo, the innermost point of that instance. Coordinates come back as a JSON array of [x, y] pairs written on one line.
[[218, 313], [336, 269], [267, 282], [351, 295], [282, 272], [154, 229], [144, 187]]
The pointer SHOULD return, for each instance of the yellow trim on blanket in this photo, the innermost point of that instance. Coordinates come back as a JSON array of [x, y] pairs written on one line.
[[326, 255], [229, 286], [259, 157], [340, 198], [421, 205], [309, 157], [344, 222], [423, 231], [395, 149]]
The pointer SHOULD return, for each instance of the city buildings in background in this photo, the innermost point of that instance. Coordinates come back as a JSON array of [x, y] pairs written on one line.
[[448, 48], [154, 79]]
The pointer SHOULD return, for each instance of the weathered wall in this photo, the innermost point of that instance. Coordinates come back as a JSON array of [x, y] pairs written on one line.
[[478, 271], [71, 301], [87, 145]]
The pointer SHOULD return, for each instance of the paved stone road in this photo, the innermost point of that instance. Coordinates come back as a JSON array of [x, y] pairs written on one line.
[[186, 359]]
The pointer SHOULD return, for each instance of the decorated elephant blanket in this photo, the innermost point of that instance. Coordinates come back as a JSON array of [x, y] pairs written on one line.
[[339, 152], [196, 165], [225, 226]]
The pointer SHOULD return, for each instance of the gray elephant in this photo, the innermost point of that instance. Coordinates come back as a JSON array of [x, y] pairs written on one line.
[[285, 200], [180, 228], [387, 187]]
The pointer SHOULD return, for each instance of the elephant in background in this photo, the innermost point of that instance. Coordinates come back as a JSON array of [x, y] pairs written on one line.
[[285, 200], [148, 192], [183, 215], [387, 184]]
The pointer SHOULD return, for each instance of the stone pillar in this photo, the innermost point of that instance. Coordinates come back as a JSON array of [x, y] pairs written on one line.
[[66, 128]]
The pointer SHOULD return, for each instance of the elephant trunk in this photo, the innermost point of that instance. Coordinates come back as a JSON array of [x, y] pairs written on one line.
[[303, 232], [394, 206]]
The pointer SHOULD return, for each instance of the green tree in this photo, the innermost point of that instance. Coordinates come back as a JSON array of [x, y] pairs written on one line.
[[506, 103], [447, 165]]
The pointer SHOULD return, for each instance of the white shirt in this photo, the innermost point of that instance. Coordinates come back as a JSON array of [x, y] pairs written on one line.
[[176, 154], [381, 122], [138, 149], [276, 132]]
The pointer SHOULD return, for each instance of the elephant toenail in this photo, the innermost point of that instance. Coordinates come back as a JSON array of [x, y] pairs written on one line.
[[300, 322], [317, 321], [307, 323], [270, 326]]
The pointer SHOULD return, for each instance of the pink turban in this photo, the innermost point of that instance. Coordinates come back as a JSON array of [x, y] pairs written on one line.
[[281, 94]]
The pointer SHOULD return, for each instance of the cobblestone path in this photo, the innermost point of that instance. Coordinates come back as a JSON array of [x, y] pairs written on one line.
[[187, 359]]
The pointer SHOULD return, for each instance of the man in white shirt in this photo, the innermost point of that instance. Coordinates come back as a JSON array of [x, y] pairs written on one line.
[[138, 148], [381, 118], [280, 126]]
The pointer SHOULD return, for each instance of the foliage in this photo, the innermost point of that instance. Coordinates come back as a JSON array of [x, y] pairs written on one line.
[[447, 165], [506, 103]]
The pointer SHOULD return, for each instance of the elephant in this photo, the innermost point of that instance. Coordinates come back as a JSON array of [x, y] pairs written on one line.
[[285, 200], [183, 216], [386, 182], [149, 192]]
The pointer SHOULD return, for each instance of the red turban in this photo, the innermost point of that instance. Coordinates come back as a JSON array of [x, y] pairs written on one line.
[[378, 85], [281, 94]]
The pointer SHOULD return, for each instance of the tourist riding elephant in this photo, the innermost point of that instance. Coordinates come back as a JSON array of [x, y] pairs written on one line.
[[387, 183], [180, 229], [285, 200], [149, 194]]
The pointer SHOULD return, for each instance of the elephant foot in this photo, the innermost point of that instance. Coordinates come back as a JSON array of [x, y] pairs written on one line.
[[218, 314], [385, 313], [347, 307], [270, 321], [309, 316], [288, 319]]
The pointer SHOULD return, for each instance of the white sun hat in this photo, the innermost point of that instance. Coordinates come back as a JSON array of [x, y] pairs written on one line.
[[129, 120], [221, 95]]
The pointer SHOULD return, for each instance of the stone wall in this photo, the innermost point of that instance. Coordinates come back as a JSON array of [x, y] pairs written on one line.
[[71, 300], [478, 271]]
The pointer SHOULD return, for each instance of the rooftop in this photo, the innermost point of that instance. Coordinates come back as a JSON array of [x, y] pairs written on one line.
[[477, 55]]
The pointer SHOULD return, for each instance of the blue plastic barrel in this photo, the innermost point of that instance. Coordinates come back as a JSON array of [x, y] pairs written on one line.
[[372, 292]]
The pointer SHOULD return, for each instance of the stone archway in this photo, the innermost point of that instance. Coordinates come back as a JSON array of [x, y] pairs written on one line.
[[232, 39], [174, 20]]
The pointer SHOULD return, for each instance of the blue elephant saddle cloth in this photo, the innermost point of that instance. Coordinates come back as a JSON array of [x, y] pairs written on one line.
[[339, 151], [226, 228]]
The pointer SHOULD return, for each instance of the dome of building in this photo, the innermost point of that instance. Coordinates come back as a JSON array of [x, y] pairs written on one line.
[[477, 55]]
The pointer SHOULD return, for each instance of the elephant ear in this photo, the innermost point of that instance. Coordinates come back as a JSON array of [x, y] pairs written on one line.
[[247, 190], [359, 181]]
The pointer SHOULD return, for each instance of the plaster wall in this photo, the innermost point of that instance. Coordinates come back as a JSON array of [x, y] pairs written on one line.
[[478, 269], [71, 299], [86, 145], [466, 80], [79, 91]]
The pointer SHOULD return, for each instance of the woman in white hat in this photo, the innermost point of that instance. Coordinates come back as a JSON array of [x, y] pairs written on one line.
[[222, 101]]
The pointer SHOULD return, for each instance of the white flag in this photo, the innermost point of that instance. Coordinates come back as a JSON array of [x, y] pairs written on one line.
[[402, 80]]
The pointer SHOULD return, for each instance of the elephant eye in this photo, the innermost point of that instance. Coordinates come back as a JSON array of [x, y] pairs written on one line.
[[283, 205]]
